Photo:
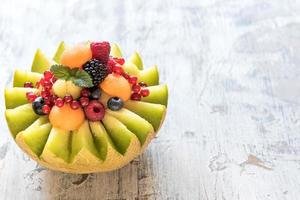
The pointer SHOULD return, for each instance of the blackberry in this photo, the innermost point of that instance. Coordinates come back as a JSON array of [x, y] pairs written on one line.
[[96, 70]]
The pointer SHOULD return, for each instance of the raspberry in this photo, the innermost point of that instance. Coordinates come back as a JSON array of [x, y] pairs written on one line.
[[100, 51], [96, 70], [94, 111]]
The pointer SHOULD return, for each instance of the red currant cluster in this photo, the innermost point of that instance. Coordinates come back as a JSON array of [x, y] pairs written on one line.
[[49, 99], [45, 85], [138, 91]]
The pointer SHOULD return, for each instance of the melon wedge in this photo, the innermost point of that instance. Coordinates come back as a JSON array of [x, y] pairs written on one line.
[[153, 113], [84, 155], [118, 132], [34, 138], [15, 97], [20, 77], [158, 94], [115, 51], [19, 118], [108, 153], [40, 62], [150, 76], [60, 49], [137, 125], [57, 149], [136, 59]]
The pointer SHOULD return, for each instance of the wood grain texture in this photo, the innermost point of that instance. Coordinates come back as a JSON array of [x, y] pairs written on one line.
[[233, 123]]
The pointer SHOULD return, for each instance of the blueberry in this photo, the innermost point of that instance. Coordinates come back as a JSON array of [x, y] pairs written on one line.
[[95, 93], [115, 103], [37, 105]]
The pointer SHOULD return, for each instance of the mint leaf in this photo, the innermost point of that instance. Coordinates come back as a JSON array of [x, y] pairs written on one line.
[[60, 71], [83, 79], [79, 77]]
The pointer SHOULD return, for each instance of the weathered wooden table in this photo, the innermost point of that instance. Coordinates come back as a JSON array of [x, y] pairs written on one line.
[[233, 70]]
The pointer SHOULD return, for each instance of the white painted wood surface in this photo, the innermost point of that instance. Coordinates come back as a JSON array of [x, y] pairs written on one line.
[[233, 70]]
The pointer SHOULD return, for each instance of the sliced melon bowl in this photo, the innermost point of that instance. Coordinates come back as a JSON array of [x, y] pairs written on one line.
[[96, 146]]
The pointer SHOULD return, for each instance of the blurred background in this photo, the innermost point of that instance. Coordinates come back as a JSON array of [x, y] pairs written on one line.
[[233, 122]]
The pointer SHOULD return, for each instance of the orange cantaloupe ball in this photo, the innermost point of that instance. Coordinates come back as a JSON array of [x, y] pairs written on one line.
[[66, 118], [76, 56], [116, 85]]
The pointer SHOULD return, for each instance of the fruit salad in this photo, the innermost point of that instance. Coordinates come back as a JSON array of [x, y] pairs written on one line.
[[87, 109]]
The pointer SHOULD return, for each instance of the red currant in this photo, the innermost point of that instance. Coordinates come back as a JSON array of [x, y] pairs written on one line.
[[45, 94], [47, 100], [145, 92], [53, 80], [59, 102], [125, 75], [143, 84], [68, 98], [85, 92], [135, 97], [117, 70], [42, 81], [136, 88], [28, 85], [120, 61], [46, 109], [132, 80], [30, 96], [48, 75], [75, 104], [84, 101]]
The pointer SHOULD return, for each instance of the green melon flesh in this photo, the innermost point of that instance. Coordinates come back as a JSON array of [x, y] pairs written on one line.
[[15, 97], [131, 69], [118, 132], [136, 59], [153, 113], [59, 143], [40, 62], [82, 138], [36, 135], [149, 76], [115, 51], [158, 94], [19, 118], [60, 49], [20, 77], [137, 125], [101, 138]]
